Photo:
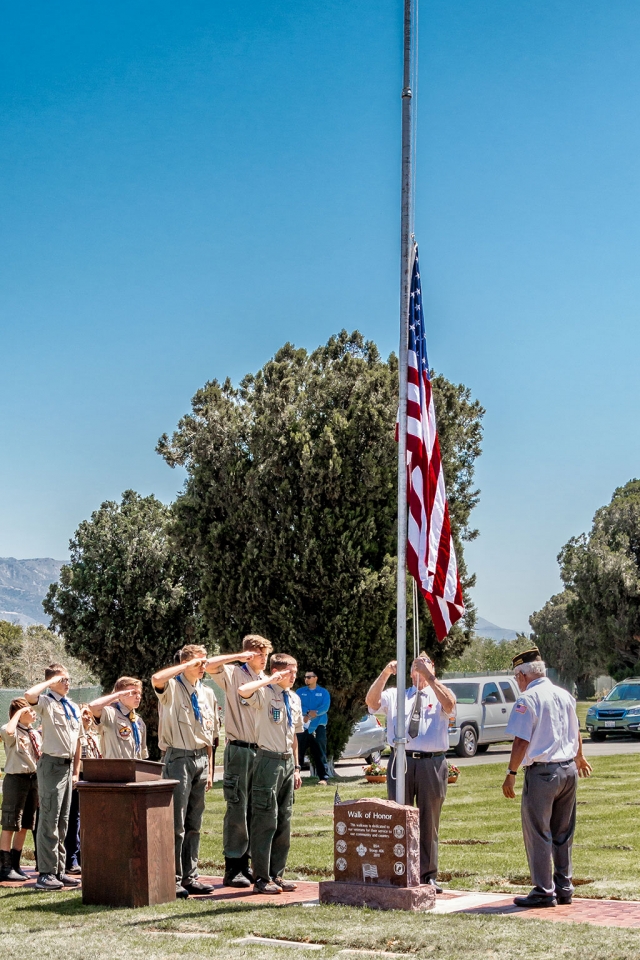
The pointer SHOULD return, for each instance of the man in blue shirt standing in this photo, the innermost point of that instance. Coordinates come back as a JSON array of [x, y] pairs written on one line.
[[315, 707]]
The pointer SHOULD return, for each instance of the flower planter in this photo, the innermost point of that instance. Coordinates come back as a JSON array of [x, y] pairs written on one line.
[[453, 779], [373, 779]]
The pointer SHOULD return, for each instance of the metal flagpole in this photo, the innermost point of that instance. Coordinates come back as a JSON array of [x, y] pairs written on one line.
[[405, 281]]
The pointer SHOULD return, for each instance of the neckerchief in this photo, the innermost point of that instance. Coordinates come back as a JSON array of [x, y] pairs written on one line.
[[68, 707], [133, 717], [287, 706], [195, 703], [37, 752]]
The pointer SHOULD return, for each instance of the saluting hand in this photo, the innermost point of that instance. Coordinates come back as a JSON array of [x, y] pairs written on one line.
[[391, 668]]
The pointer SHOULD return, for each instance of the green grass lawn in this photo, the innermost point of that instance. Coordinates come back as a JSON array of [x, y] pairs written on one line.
[[481, 849]]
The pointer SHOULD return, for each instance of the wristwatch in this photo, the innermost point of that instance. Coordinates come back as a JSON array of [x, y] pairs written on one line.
[[510, 772], [297, 768]]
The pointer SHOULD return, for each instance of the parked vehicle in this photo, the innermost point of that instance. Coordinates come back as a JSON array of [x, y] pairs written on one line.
[[483, 710], [367, 740], [619, 712]]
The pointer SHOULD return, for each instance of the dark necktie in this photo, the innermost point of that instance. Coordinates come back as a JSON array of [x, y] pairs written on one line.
[[287, 706], [414, 723], [37, 752]]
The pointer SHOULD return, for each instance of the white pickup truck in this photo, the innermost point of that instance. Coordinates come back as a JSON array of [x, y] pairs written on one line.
[[483, 710]]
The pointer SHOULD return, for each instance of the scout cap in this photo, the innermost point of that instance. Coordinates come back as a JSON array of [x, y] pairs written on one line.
[[528, 656]]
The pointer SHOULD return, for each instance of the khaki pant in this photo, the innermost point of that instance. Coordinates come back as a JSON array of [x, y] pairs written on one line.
[[238, 780], [272, 796], [54, 789], [190, 769]]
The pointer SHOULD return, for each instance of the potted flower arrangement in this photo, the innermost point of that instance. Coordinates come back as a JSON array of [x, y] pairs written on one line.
[[375, 773], [454, 772]]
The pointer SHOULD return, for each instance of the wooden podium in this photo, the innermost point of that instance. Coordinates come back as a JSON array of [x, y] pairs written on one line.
[[126, 833]]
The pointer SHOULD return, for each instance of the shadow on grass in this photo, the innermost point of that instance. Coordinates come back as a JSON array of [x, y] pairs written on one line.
[[70, 907]]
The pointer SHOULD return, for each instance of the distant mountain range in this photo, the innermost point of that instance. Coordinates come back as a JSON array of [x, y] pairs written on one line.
[[484, 628], [23, 586]]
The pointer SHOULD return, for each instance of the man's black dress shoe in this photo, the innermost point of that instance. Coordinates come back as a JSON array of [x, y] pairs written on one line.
[[535, 900], [197, 887], [432, 883], [562, 900]]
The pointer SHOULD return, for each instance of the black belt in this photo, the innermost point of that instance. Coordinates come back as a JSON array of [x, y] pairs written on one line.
[[552, 763], [243, 743], [419, 754]]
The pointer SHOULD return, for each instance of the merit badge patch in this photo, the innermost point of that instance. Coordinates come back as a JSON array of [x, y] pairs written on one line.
[[124, 731]]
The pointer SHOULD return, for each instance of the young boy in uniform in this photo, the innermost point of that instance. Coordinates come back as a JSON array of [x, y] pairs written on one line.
[[239, 755], [57, 770], [19, 788], [89, 750], [189, 727], [124, 733], [276, 773]]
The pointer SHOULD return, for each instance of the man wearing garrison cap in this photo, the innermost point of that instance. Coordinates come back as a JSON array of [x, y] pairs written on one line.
[[549, 746]]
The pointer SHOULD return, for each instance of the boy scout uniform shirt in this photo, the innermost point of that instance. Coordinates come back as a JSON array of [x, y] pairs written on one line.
[[19, 750], [180, 729], [272, 729], [59, 732], [545, 716], [118, 741], [239, 718]]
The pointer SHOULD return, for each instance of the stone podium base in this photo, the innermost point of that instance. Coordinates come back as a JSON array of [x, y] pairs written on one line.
[[377, 896]]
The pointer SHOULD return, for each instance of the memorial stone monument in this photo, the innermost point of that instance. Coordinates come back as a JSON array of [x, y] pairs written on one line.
[[376, 847]]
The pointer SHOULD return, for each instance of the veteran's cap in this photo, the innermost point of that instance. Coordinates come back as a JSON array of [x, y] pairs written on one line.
[[528, 656]]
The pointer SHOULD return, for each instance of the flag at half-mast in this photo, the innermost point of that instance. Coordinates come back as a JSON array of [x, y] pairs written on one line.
[[431, 555]]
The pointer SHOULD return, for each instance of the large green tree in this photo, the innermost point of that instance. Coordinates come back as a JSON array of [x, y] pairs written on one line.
[[125, 601], [289, 509], [11, 672], [602, 571], [575, 656]]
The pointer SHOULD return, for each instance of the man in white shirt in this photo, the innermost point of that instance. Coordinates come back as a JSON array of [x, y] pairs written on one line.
[[428, 706], [549, 746]]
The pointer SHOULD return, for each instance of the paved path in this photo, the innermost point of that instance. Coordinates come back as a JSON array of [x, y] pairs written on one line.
[[602, 913]]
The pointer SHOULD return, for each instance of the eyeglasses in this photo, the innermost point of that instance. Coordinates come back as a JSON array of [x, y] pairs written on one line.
[[309, 676]]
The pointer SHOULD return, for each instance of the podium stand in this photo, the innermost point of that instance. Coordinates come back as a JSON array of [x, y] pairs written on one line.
[[126, 833]]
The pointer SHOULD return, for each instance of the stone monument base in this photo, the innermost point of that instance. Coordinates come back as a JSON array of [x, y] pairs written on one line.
[[378, 896]]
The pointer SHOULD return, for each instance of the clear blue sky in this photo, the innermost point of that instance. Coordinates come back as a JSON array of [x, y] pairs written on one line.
[[185, 186]]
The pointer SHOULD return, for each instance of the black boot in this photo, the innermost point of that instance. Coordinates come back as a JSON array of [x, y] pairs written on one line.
[[245, 869], [233, 876], [15, 863], [7, 873]]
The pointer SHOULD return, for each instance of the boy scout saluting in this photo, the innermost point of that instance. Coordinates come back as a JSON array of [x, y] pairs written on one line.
[[57, 771], [124, 733], [19, 788], [276, 773], [239, 755], [189, 727]]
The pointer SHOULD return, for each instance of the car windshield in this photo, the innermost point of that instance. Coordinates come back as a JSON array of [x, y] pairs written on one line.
[[465, 692], [624, 691]]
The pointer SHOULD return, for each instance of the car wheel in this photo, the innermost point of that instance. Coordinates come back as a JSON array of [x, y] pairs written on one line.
[[598, 736], [482, 747], [374, 757], [468, 746]]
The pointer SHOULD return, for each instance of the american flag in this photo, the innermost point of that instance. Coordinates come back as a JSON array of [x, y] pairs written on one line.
[[431, 556]]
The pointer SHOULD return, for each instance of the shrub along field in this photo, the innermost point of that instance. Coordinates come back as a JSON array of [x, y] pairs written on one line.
[[481, 849]]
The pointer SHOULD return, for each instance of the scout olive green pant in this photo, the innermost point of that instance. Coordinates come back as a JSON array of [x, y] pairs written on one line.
[[54, 789], [548, 824], [190, 768], [238, 778], [271, 808]]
